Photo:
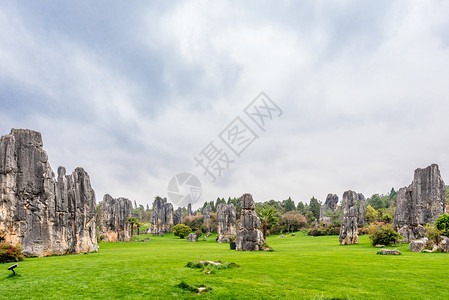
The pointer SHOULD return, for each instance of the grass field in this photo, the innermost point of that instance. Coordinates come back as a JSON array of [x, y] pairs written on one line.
[[300, 267]]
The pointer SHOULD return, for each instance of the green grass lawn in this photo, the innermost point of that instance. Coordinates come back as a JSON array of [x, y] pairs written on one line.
[[300, 267]]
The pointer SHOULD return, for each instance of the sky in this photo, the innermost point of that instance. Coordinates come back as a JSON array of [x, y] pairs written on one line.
[[356, 94]]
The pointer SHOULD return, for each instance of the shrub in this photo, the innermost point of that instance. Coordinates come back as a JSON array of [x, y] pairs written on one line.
[[181, 230], [383, 234], [325, 230], [433, 234], [198, 233], [442, 223], [10, 253]]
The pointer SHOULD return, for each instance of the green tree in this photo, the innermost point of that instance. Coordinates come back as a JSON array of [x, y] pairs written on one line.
[[376, 202], [300, 208], [370, 214], [132, 221], [181, 230], [267, 218], [138, 225], [442, 223], [288, 205], [315, 207]]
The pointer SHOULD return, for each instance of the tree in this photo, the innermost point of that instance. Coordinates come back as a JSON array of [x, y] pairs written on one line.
[[288, 205], [293, 220], [132, 221], [300, 208], [442, 223], [376, 202], [181, 230], [370, 214], [267, 218], [315, 207], [138, 225]]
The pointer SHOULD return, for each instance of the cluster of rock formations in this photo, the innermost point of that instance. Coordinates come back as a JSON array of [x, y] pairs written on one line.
[[43, 214], [426, 245], [161, 217], [329, 206], [420, 203], [249, 236], [353, 207], [226, 217], [114, 214]]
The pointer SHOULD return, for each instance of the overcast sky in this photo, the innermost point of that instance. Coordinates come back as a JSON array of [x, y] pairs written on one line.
[[133, 92]]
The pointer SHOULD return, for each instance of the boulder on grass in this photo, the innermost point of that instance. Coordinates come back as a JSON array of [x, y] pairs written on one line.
[[418, 245], [389, 252], [192, 237]]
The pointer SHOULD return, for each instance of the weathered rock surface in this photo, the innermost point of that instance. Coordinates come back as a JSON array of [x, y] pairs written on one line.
[[389, 252], [177, 218], [420, 203], [249, 236], [43, 214], [361, 204], [418, 245], [226, 216], [189, 209], [329, 206], [192, 237], [206, 217], [349, 230], [161, 217], [114, 214]]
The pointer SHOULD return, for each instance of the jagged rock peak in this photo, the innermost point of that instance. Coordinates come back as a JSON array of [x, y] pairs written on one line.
[[226, 217], [420, 203], [249, 236], [161, 216], [43, 214], [349, 220], [114, 214]]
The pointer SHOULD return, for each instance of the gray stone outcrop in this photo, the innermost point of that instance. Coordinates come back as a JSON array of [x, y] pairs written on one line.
[[329, 206], [349, 221], [249, 236], [189, 209], [114, 214], [44, 214], [206, 217], [226, 229], [161, 217], [177, 218], [420, 203], [192, 237], [362, 209]]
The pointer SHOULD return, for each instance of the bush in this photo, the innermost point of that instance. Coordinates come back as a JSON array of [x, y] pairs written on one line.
[[442, 223], [10, 253], [181, 230], [198, 233], [325, 230], [383, 234], [433, 234]]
